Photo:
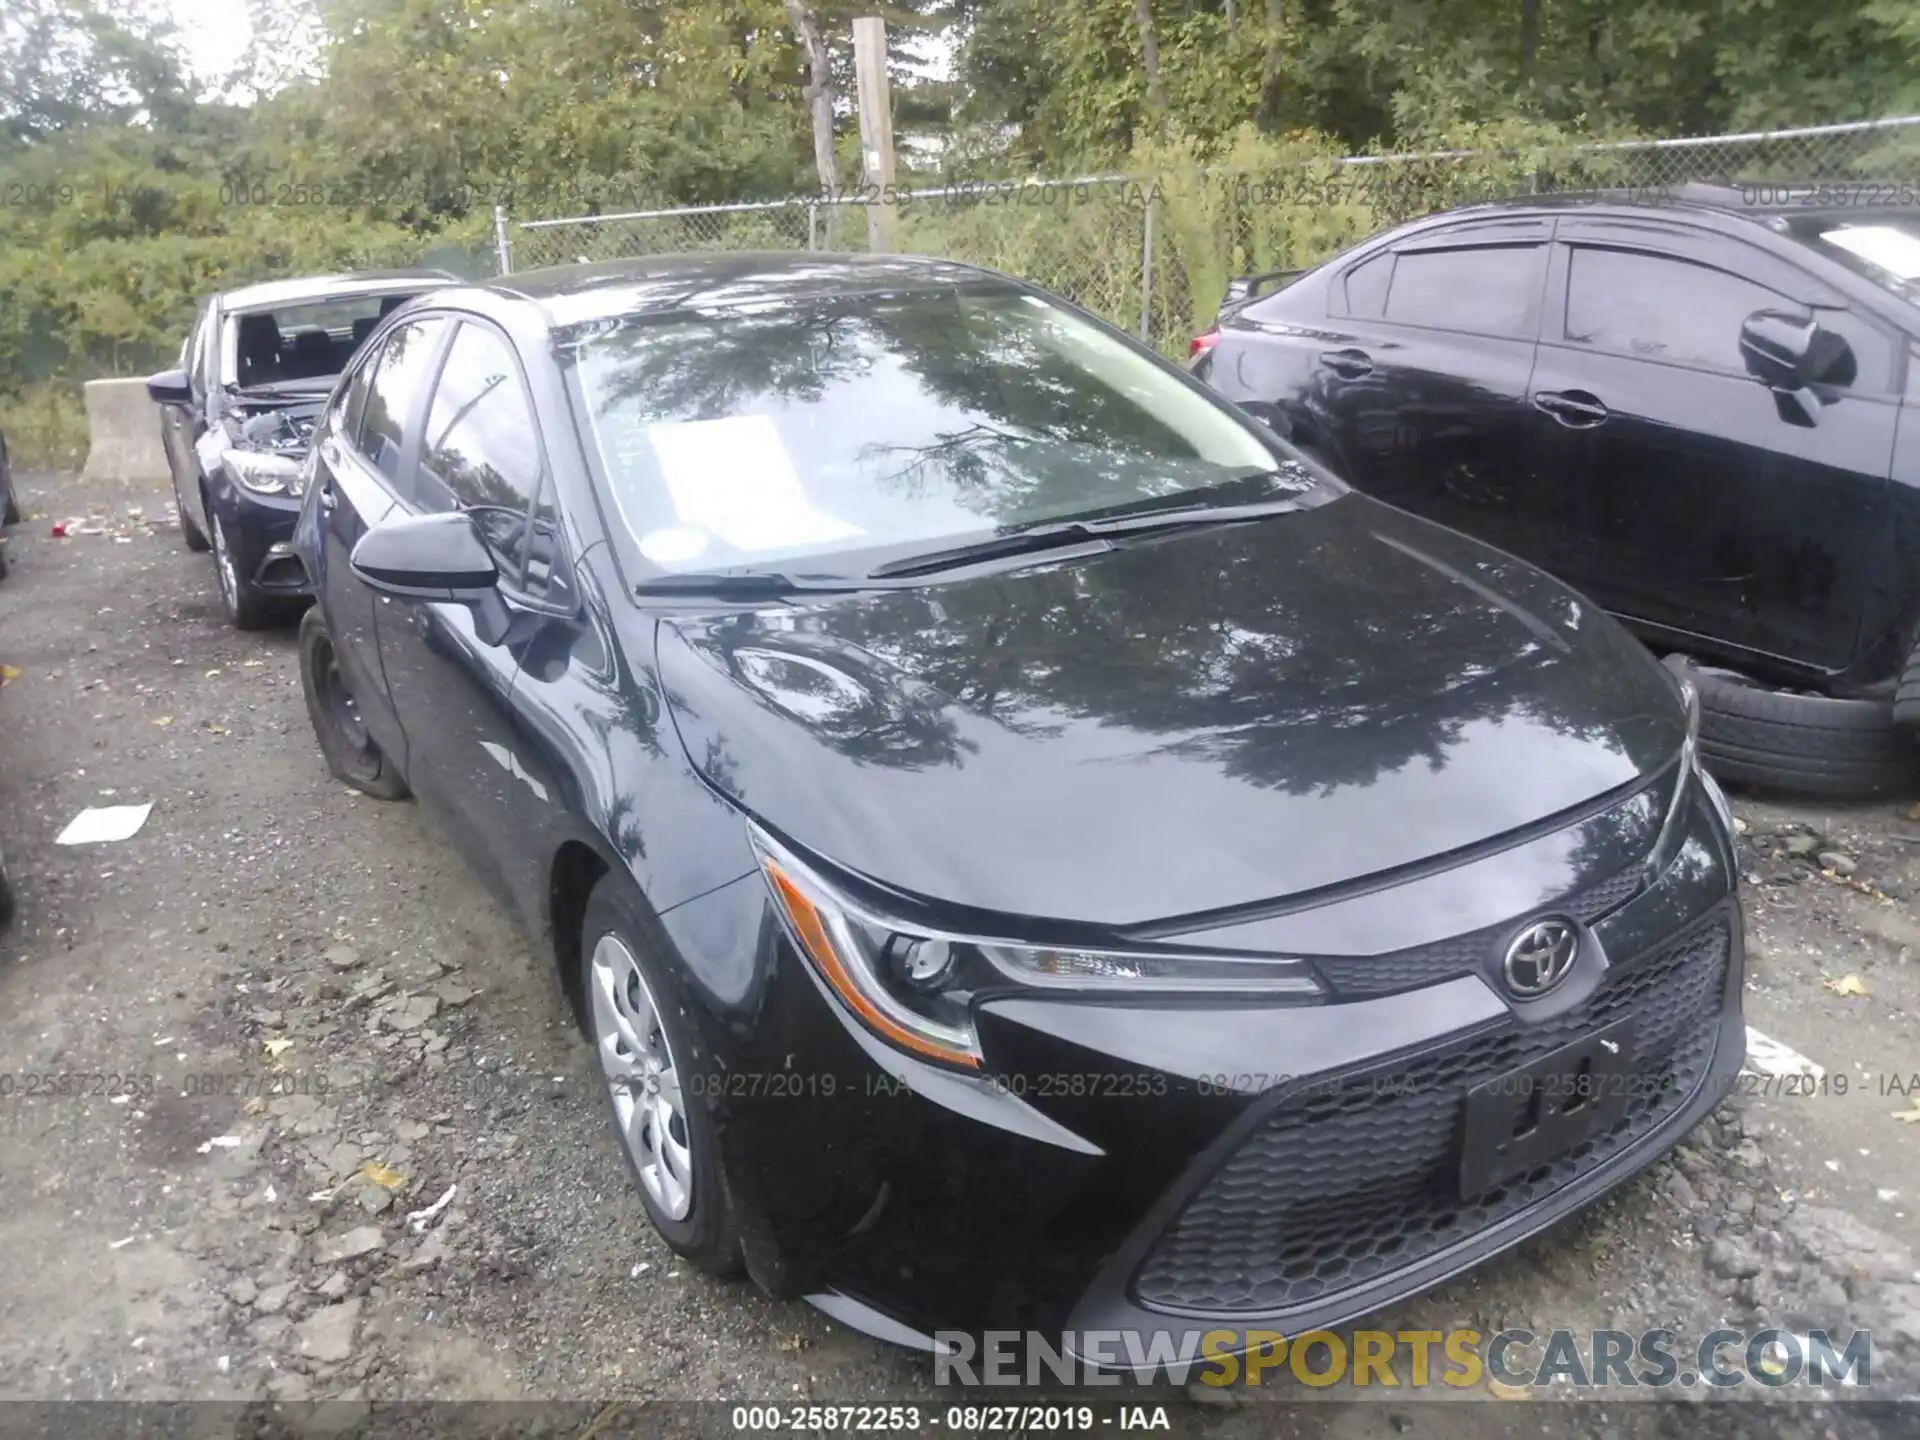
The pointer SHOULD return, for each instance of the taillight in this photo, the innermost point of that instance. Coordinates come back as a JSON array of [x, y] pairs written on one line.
[[1203, 342]]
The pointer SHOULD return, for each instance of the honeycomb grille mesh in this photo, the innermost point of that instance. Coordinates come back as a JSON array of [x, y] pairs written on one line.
[[1356, 977], [1346, 1183]]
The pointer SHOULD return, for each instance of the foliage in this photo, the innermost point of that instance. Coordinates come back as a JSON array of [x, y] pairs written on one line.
[[45, 425], [366, 132], [1369, 72]]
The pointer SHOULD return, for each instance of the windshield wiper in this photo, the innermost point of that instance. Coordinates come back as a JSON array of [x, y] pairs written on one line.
[[1063, 534], [742, 585]]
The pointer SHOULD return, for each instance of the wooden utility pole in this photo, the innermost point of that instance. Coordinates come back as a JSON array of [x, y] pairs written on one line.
[[819, 92], [1150, 53], [876, 129]]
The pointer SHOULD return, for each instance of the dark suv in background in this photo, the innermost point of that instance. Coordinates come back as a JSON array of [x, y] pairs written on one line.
[[1700, 412], [238, 413]]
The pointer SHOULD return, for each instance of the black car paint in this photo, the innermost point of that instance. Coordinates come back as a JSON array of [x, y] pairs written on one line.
[[1332, 679], [1710, 513], [254, 523]]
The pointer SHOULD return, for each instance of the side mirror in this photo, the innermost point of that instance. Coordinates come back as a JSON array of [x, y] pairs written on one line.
[[169, 387], [435, 557], [1784, 351], [426, 557]]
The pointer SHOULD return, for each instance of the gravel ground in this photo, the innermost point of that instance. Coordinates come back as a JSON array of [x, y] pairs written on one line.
[[283, 1017]]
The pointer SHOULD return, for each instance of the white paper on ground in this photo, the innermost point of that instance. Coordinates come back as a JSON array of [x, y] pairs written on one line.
[[733, 478], [99, 823]]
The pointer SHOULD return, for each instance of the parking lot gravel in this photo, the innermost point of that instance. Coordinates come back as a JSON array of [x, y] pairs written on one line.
[[289, 1111]]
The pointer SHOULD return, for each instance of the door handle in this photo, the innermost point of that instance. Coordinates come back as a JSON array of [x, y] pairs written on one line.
[[1349, 364], [328, 499], [1575, 409]]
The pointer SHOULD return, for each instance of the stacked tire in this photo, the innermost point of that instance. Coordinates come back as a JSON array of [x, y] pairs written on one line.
[[1802, 744]]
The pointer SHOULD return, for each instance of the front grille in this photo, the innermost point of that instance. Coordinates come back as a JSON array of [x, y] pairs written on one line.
[[1346, 1183], [1356, 977]]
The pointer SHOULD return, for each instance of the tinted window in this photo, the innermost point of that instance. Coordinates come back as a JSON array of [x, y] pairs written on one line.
[[848, 424], [399, 379], [1493, 290], [482, 452], [1659, 308], [1367, 287], [350, 404]]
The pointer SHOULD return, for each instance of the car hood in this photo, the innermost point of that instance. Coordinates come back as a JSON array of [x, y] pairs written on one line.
[[1216, 718]]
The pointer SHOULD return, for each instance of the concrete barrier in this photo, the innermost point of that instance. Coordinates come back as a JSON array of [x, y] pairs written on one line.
[[123, 433]]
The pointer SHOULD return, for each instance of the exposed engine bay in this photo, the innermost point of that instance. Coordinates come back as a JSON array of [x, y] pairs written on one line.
[[280, 429]]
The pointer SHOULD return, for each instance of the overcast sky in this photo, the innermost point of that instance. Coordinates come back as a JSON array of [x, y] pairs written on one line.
[[215, 33]]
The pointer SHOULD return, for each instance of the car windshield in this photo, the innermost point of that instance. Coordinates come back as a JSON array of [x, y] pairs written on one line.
[[1884, 249], [848, 425], [305, 341]]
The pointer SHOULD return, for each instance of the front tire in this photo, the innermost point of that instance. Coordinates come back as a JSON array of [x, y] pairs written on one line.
[[351, 753], [195, 537], [246, 606], [652, 1057], [190, 532]]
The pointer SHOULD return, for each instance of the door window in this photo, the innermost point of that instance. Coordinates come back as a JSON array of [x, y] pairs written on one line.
[[482, 450], [1658, 307], [400, 377], [1482, 290], [1366, 285], [350, 402]]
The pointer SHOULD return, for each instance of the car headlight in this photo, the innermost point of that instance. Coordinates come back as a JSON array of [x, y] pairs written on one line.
[[914, 987], [267, 474]]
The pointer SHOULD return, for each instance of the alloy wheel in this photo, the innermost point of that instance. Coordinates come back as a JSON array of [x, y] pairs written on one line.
[[642, 1077]]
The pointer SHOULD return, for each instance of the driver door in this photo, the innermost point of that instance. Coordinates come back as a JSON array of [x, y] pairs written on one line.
[[1706, 510], [182, 425], [480, 452]]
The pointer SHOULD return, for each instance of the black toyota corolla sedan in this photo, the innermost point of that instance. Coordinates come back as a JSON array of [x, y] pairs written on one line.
[[1023, 844]]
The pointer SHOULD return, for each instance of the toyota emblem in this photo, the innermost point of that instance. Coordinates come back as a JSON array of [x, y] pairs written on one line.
[[1540, 957]]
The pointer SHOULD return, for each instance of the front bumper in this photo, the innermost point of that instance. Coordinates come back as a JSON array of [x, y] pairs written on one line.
[[1329, 1201], [1173, 1168], [260, 536]]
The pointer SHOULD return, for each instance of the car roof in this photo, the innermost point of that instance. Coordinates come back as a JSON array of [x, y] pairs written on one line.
[[306, 289], [656, 284], [1713, 204]]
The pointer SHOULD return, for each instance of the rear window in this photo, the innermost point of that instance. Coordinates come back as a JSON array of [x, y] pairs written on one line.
[[735, 438], [308, 340]]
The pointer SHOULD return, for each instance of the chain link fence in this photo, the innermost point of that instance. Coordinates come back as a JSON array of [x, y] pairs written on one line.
[[1154, 252]]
